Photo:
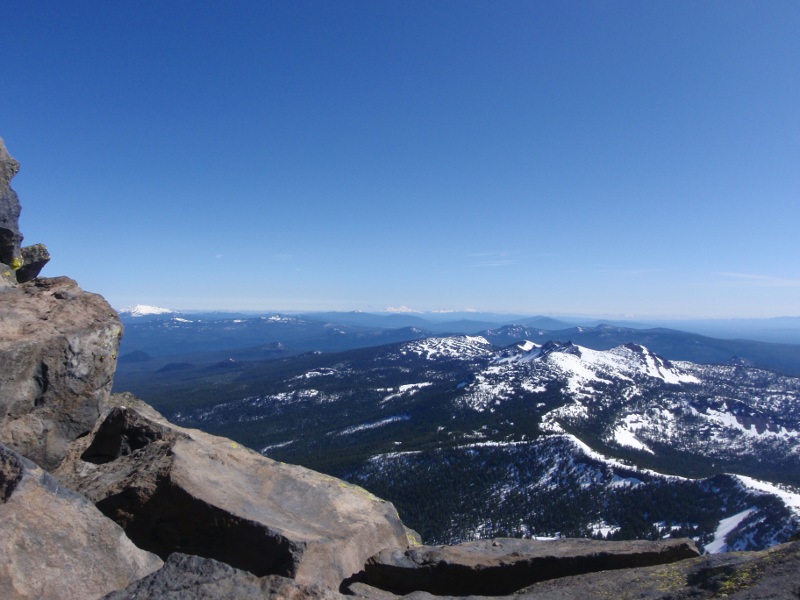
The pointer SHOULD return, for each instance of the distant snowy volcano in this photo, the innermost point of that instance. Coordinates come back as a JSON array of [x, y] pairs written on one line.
[[143, 310]]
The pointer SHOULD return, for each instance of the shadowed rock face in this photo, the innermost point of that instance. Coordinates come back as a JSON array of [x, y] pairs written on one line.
[[54, 543], [186, 577], [181, 490], [10, 236], [58, 351], [505, 565]]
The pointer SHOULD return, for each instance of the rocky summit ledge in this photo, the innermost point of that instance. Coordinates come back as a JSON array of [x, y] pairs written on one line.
[[181, 490], [58, 351], [504, 565], [759, 575]]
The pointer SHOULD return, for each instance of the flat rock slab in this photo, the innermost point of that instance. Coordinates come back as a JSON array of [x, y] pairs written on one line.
[[504, 565], [185, 577], [773, 573], [58, 351], [182, 490], [55, 544]]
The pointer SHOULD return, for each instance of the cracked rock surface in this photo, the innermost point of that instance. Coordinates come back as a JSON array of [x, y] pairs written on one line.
[[58, 349]]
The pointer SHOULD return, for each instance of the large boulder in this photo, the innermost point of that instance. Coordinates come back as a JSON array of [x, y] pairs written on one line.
[[55, 544], [186, 577], [10, 236], [181, 490], [58, 351], [505, 565], [34, 258]]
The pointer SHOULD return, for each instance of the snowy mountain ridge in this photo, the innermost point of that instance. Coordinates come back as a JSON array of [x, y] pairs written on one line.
[[143, 310], [533, 439]]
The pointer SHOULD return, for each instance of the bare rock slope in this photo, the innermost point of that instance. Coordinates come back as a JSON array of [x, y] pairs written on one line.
[[182, 490], [54, 543]]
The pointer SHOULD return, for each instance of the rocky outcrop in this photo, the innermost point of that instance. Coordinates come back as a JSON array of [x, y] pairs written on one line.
[[54, 543], [58, 350], [769, 573], [185, 577], [505, 565], [34, 258], [10, 236], [181, 490]]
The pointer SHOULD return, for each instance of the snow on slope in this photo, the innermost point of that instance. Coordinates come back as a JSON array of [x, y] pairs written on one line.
[[464, 347], [724, 528], [585, 372], [582, 366], [790, 498]]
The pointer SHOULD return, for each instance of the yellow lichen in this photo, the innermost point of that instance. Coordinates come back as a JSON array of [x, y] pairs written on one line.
[[16, 263], [412, 539]]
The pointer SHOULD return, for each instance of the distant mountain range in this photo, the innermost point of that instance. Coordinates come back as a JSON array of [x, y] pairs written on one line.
[[155, 339], [599, 431]]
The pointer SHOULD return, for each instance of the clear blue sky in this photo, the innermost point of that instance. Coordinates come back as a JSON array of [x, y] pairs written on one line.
[[610, 158]]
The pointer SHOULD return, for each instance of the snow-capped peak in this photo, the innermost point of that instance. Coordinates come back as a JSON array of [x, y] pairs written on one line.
[[141, 310], [624, 362]]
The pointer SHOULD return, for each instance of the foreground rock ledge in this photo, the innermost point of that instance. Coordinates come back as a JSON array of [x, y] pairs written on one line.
[[181, 490], [55, 544], [186, 577], [504, 565], [58, 351]]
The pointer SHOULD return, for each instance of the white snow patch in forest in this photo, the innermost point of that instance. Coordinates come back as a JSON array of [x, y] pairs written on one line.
[[374, 425], [723, 529]]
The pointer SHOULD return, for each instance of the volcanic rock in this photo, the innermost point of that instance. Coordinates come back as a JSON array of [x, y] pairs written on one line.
[[505, 565], [54, 543], [771, 573], [34, 258], [58, 351], [181, 490], [10, 236], [185, 577], [8, 278]]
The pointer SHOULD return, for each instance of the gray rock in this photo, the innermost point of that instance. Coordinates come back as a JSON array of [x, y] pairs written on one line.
[[185, 577], [181, 490], [10, 236], [772, 573], [34, 258], [58, 351], [505, 565], [8, 278], [54, 543], [362, 590]]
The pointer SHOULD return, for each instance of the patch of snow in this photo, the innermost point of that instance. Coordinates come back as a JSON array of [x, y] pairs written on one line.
[[464, 347], [409, 389], [723, 529], [603, 528], [374, 425], [266, 449]]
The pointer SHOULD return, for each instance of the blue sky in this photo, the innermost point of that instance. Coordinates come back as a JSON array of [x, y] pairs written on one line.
[[607, 158]]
